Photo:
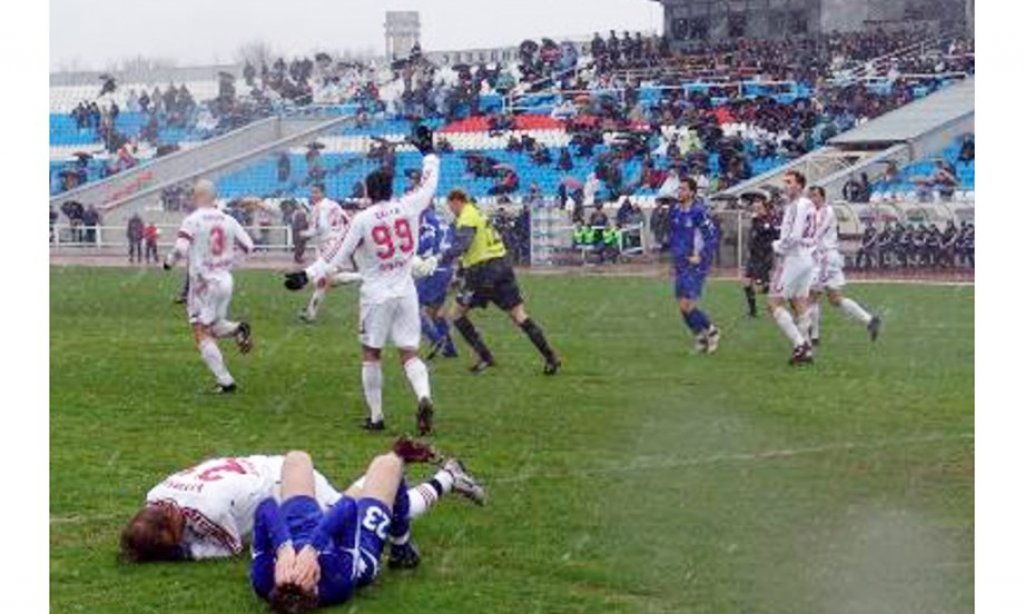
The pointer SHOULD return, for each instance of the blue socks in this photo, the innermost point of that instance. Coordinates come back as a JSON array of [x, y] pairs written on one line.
[[429, 329], [697, 321], [399, 529]]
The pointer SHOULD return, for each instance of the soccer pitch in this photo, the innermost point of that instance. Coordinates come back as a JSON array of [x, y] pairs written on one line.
[[640, 479]]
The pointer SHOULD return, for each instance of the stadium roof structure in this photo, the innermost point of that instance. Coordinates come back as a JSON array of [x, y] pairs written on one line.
[[913, 121]]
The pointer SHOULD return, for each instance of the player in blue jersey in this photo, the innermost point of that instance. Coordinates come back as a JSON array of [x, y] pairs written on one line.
[[305, 558], [692, 240], [436, 238]]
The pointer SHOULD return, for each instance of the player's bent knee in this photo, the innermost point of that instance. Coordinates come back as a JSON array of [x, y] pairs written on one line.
[[298, 457], [388, 463]]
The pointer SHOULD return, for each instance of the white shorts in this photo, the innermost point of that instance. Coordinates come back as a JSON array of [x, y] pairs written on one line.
[[828, 273], [792, 278], [397, 319], [209, 298]]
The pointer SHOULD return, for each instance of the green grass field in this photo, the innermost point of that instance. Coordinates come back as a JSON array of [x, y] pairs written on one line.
[[641, 479]]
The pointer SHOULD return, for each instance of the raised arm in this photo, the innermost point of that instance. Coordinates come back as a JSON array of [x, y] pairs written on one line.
[[419, 198]]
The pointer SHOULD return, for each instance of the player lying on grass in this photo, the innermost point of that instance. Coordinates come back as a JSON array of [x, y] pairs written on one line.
[[206, 511], [382, 242], [304, 558], [210, 240], [829, 278]]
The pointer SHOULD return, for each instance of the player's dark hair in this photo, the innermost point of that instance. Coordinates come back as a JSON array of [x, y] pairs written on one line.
[[319, 186], [147, 537], [818, 189], [379, 185], [291, 599], [691, 183], [799, 178], [458, 195]]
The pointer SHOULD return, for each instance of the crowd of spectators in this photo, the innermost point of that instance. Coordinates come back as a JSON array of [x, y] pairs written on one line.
[[916, 246]]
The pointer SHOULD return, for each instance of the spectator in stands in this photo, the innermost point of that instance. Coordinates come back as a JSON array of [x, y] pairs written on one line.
[[284, 167], [944, 179], [947, 246], [54, 216], [967, 150], [508, 182], [91, 220], [565, 160], [565, 110], [534, 199], [300, 223], [867, 253], [136, 230], [151, 234]]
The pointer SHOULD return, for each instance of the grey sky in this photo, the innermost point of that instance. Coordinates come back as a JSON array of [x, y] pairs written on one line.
[[92, 33]]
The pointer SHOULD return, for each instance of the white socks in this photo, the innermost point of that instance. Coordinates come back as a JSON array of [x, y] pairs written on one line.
[[215, 361], [225, 328], [423, 496], [416, 372], [314, 301], [788, 327], [373, 383], [814, 312], [855, 311]]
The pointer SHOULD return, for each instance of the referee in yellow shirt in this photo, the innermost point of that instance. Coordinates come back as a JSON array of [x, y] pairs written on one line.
[[489, 278]]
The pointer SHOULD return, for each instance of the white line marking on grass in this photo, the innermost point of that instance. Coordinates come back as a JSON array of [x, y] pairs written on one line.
[[656, 463]]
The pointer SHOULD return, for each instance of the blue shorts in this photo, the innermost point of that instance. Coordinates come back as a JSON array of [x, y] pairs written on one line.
[[690, 283], [301, 515], [368, 533], [432, 290]]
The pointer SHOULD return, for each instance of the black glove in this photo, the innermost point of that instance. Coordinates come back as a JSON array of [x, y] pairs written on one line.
[[167, 266], [296, 281], [423, 139]]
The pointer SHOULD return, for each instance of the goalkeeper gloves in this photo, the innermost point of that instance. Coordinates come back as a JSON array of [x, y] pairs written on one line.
[[296, 280], [423, 139]]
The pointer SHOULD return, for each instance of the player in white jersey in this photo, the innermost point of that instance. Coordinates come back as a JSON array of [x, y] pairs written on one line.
[[382, 241], [330, 224], [794, 268], [206, 511], [211, 240], [828, 277]]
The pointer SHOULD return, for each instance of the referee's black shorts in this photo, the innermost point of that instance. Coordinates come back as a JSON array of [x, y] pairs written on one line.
[[759, 270], [492, 281]]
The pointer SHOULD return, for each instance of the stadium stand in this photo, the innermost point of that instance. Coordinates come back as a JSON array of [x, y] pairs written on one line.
[[575, 123]]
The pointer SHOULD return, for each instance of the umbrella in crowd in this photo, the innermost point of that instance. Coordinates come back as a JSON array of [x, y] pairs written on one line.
[[572, 183]]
